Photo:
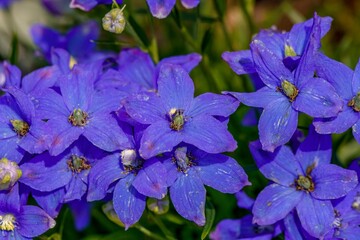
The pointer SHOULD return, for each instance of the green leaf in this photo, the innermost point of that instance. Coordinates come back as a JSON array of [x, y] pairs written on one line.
[[206, 39], [134, 29], [210, 217]]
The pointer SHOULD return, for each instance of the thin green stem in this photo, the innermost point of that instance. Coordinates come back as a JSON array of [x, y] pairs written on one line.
[[147, 232], [162, 227], [61, 230], [223, 26], [153, 48], [248, 17]]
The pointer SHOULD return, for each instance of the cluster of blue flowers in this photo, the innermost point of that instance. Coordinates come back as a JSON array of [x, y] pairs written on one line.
[[308, 198], [116, 127]]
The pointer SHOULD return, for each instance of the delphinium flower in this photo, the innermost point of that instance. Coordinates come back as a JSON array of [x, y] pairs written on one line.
[[21, 129], [6, 3], [244, 228], [288, 46], [305, 181], [77, 41], [26, 223], [189, 169], [80, 110], [287, 93], [347, 84], [175, 116], [10, 75], [70, 169], [161, 9], [129, 178], [87, 5]]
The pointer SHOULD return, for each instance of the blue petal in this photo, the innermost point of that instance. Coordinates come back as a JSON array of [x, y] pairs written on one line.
[[40, 79], [159, 8], [208, 134], [190, 3], [129, 204], [51, 202], [356, 131], [75, 190], [241, 62], [356, 79], [49, 104], [269, 66], [274, 203], [175, 87], [188, 196], [213, 105], [277, 124], [316, 216], [261, 98], [10, 199], [188, 62], [81, 211], [33, 221], [151, 179], [222, 173], [316, 149], [102, 174], [159, 138]]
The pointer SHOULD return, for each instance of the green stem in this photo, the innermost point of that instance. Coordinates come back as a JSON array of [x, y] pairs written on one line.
[[248, 17], [223, 26], [162, 227], [153, 48], [147, 232], [61, 230]]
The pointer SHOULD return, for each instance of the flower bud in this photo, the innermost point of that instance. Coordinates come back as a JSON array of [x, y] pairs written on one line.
[[9, 173], [114, 21]]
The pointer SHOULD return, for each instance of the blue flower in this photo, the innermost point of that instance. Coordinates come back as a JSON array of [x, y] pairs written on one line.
[[87, 5], [175, 116], [189, 169], [81, 110], [305, 181], [287, 93]]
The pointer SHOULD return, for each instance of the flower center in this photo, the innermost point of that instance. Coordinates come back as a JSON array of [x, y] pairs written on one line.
[[289, 51], [78, 118], [304, 183], [7, 222], [289, 90], [355, 102], [20, 127], [130, 160], [183, 159], [9, 173], [77, 164], [177, 119]]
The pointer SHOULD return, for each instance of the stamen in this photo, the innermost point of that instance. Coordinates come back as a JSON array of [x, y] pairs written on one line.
[[77, 164], [183, 159], [20, 127], [304, 183], [9, 173], [7, 222], [289, 90], [177, 119], [78, 118], [355, 102]]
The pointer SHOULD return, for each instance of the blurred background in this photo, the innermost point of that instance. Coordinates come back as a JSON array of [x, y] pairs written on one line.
[[212, 28]]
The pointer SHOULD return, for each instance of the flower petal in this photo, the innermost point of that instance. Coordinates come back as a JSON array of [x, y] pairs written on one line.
[[102, 174], [190, 3], [129, 204], [188, 62], [104, 132], [316, 216], [145, 108], [64, 134], [151, 179], [269, 66], [188, 196], [159, 138], [49, 104], [315, 149], [222, 173], [356, 79], [277, 124], [159, 8], [40, 79], [208, 134], [37, 139], [339, 124], [176, 88], [77, 88], [213, 104], [35, 177], [356, 131], [75, 190], [332, 181], [274, 203], [51, 202], [81, 211], [318, 98], [261, 98], [33, 221], [241, 62]]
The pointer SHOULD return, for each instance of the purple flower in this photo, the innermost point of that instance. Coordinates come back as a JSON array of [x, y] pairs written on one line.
[[130, 178], [27, 223], [175, 116], [10, 76], [189, 169], [80, 110], [77, 40], [347, 84], [87, 5], [287, 93], [70, 169], [347, 217], [305, 181], [161, 9], [20, 128], [287, 46], [6, 3]]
